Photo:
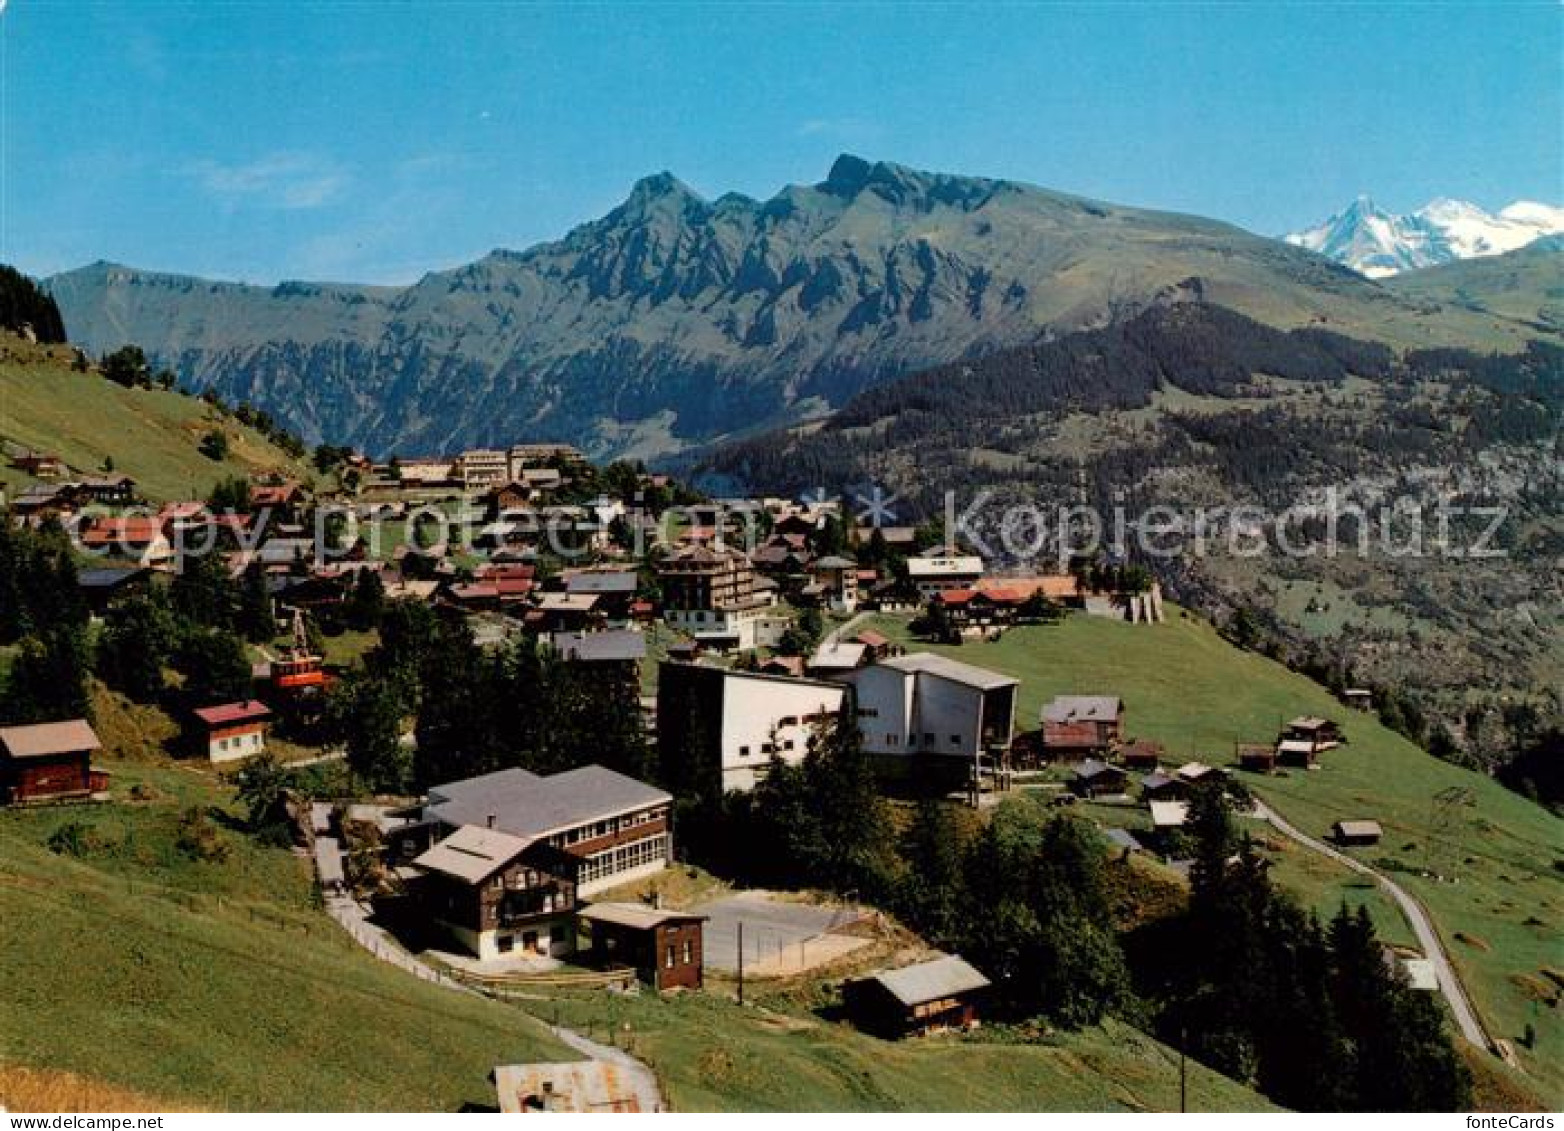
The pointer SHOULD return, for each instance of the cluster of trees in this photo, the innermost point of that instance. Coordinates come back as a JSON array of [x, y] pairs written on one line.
[[23, 304], [41, 612], [128, 366], [1251, 984], [477, 710], [196, 627], [1026, 899], [822, 822]]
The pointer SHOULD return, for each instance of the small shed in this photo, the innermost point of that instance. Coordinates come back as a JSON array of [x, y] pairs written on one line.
[[1296, 752], [48, 761], [1256, 757], [1094, 778], [663, 946], [1160, 787], [1356, 832], [916, 1000], [1142, 754], [1359, 698]]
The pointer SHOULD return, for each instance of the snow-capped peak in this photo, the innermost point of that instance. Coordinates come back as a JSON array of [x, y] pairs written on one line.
[[1378, 243]]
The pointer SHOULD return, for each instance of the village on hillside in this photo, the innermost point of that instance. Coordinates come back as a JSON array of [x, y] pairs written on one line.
[[550, 693]]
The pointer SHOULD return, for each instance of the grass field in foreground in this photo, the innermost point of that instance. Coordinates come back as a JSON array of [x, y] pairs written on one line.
[[216, 984], [1185, 686], [712, 1054]]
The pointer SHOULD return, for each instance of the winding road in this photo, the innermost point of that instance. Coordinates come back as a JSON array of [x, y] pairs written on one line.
[[1422, 926]]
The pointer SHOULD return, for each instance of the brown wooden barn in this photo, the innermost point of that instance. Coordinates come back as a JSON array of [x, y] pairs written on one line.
[[664, 947], [915, 1000], [46, 761]]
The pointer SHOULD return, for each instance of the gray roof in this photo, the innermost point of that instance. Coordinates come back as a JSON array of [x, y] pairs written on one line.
[[1083, 708], [953, 670], [930, 981], [589, 647], [526, 805], [602, 581], [107, 578], [280, 550], [1123, 838], [472, 853], [635, 915], [1092, 768]]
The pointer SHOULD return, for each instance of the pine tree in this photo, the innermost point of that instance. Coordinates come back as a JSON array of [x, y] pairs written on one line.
[[929, 893], [48, 678], [136, 644], [369, 717]]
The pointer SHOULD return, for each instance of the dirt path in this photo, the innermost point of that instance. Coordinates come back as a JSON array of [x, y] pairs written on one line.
[[1422, 926], [354, 918]]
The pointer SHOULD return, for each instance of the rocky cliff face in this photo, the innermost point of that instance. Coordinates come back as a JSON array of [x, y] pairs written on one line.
[[675, 319]]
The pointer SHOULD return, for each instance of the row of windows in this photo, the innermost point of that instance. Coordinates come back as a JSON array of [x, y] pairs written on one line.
[[627, 856], [689, 955], [239, 742], [928, 739], [768, 748], [612, 825]]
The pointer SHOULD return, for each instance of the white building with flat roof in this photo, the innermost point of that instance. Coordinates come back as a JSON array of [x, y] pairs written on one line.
[[929, 705]]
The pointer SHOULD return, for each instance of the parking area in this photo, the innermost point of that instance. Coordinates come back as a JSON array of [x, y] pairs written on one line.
[[779, 938]]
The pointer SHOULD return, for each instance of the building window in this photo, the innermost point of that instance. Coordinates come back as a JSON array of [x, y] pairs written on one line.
[[668, 957], [688, 953], [955, 740], [743, 751]]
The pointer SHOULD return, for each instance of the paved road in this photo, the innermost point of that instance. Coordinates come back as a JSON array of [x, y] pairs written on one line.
[[1428, 938]]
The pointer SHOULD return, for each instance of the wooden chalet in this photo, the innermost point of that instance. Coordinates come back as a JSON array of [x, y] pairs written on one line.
[[662, 946], [1082, 724], [916, 1000], [499, 894], [1157, 786], [1256, 757], [1142, 754], [40, 465], [1095, 778], [48, 762], [1321, 734]]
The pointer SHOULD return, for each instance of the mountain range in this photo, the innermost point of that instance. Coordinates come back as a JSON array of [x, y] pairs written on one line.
[[1378, 243], [676, 320]]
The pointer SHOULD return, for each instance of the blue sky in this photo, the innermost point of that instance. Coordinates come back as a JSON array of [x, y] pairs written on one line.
[[372, 141]]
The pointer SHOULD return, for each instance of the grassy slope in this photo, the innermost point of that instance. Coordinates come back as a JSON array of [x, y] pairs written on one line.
[[1523, 285], [1186, 687], [217, 984], [713, 1055], [151, 435]]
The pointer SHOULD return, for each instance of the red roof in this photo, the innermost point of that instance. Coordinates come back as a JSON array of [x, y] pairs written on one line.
[[132, 530], [1005, 596], [271, 496], [226, 714], [507, 572], [872, 638], [956, 596]]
